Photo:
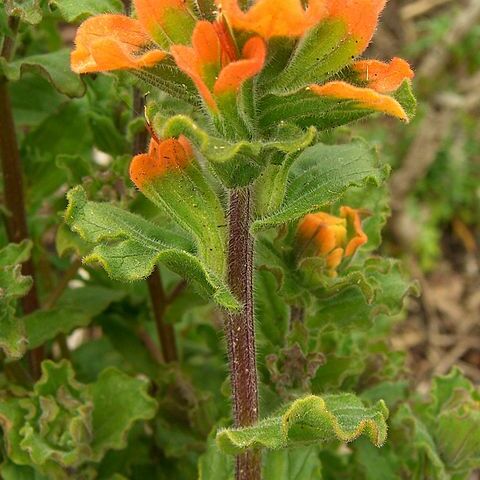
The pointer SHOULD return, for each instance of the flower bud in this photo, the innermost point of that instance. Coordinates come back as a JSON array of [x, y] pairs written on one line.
[[330, 237]]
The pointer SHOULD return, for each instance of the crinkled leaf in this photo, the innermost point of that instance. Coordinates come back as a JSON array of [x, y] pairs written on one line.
[[311, 420], [128, 246], [119, 401], [54, 66], [29, 11], [321, 175], [13, 285], [75, 10], [75, 309]]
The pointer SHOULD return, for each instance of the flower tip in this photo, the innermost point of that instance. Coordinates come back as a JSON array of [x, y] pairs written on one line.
[[167, 155]]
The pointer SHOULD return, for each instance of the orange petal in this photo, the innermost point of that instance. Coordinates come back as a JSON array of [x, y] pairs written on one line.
[[202, 60], [360, 238], [384, 77], [361, 17], [236, 73], [166, 20], [167, 155], [323, 231], [363, 97], [274, 18], [112, 42], [334, 259]]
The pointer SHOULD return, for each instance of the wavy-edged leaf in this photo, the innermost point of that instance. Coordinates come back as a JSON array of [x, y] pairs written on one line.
[[76, 10], [311, 420], [128, 246], [236, 164], [119, 401], [321, 175], [13, 285], [54, 66]]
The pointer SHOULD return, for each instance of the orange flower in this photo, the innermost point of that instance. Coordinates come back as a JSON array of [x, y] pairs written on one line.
[[331, 237], [360, 16], [211, 62], [383, 77], [163, 156], [364, 98], [112, 42], [274, 18]]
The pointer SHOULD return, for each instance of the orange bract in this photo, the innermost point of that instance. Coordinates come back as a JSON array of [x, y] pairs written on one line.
[[205, 62], [363, 98], [361, 17], [384, 77], [151, 13], [274, 18], [112, 42], [167, 155]]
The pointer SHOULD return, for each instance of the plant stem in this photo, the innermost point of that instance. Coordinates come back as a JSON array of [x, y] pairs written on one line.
[[16, 220], [166, 333], [240, 327]]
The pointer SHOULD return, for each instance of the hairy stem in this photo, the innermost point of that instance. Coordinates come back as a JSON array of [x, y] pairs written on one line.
[[240, 327], [16, 219]]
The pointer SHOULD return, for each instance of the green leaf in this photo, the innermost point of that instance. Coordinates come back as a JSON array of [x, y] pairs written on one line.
[[320, 176], [13, 285], [119, 401], [29, 11], [404, 96], [311, 420], [128, 246], [76, 308], [215, 465], [63, 424], [76, 10], [322, 52], [54, 66]]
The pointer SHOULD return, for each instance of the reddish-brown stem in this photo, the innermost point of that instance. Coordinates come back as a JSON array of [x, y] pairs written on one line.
[[16, 219], [240, 327], [166, 333]]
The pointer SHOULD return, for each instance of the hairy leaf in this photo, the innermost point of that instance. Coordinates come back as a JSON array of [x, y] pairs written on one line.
[[320, 176], [75, 10], [128, 246], [313, 419]]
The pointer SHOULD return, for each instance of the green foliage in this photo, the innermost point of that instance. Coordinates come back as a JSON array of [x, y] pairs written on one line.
[[63, 424], [75, 10], [312, 419]]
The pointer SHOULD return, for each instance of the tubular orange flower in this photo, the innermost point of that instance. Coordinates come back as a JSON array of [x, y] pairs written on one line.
[[384, 77], [363, 97], [361, 17], [331, 237], [163, 156], [112, 42], [273, 18], [205, 62]]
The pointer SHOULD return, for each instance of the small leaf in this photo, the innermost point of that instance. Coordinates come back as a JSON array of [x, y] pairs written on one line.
[[320, 176], [54, 66], [75, 10], [29, 11], [129, 247], [311, 420]]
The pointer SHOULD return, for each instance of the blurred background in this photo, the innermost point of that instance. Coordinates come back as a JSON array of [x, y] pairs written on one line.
[[435, 185]]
